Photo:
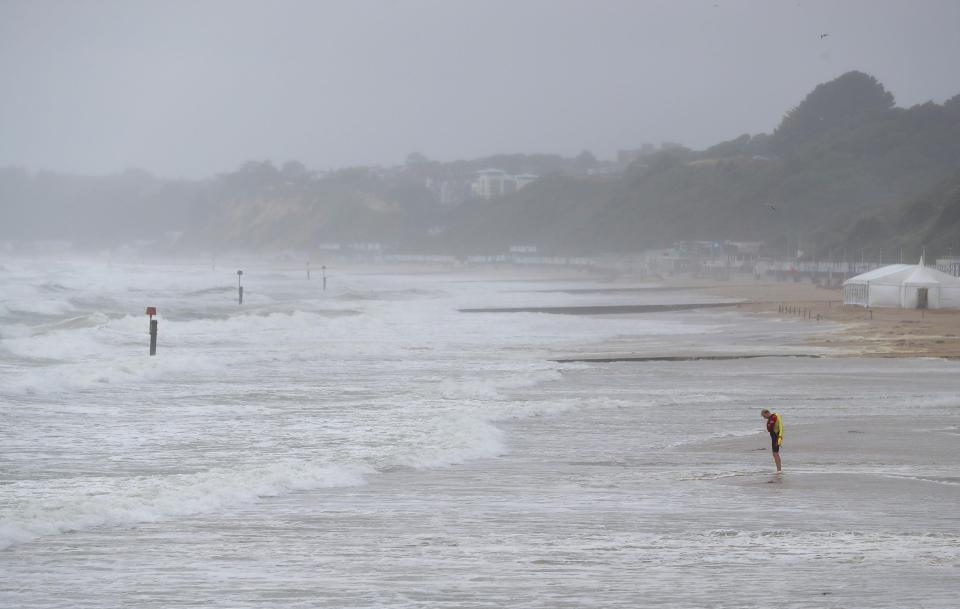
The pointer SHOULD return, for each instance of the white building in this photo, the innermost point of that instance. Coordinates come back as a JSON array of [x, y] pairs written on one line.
[[492, 183], [524, 178], [903, 286], [453, 192]]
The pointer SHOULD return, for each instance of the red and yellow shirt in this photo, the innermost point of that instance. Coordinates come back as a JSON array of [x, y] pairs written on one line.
[[775, 426]]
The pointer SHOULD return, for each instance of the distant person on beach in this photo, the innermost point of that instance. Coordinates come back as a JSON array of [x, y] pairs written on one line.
[[775, 427]]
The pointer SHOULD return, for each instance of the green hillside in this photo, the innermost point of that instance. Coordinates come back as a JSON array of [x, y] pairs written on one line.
[[845, 170], [844, 156]]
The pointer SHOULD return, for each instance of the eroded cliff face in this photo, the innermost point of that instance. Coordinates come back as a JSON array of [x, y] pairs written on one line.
[[304, 220]]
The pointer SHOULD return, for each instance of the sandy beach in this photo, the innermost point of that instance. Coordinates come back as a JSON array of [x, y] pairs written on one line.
[[830, 328], [865, 332], [862, 332]]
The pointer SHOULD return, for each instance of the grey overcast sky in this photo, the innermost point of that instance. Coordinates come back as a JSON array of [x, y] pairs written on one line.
[[191, 88]]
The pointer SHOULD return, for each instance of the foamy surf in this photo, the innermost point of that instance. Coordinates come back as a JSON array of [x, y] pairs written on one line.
[[92, 502], [402, 454]]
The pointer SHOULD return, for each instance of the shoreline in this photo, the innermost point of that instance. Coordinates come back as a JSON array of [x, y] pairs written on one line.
[[836, 330], [864, 332]]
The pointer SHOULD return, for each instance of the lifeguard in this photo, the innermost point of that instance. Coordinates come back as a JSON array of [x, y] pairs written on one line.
[[775, 428]]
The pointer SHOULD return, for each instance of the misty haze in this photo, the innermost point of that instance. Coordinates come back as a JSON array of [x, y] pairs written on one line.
[[479, 303]]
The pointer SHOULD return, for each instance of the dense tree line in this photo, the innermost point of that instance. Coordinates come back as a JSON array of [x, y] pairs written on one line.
[[842, 172]]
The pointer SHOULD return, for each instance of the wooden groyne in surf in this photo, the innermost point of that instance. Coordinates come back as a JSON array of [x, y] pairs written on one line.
[[604, 309], [674, 358]]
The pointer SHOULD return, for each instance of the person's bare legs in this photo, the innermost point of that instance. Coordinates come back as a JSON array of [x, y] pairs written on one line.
[[776, 459]]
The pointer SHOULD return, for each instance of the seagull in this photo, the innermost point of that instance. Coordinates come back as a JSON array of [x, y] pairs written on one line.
[[822, 36], [771, 206]]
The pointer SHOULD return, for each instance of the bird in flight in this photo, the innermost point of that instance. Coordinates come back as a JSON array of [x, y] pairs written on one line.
[[822, 36], [772, 206]]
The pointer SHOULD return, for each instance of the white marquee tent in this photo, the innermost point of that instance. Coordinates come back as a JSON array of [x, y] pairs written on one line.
[[904, 286]]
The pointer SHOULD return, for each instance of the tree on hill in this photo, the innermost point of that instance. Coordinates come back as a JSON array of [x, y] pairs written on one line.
[[842, 103], [416, 158], [745, 145], [952, 105], [293, 170], [585, 161]]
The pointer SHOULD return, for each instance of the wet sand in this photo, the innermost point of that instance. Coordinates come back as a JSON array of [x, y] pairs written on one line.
[[863, 333], [864, 444], [836, 329]]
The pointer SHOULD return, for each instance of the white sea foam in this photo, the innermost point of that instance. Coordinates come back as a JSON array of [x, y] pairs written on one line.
[[131, 371], [431, 411], [454, 441], [92, 502], [247, 410]]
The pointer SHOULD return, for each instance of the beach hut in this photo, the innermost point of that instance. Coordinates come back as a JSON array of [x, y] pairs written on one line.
[[903, 286]]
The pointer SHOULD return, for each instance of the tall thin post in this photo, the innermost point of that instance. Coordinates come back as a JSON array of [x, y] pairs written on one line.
[[239, 287], [151, 311]]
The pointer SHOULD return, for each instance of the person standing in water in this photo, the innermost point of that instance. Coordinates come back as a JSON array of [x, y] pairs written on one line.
[[775, 427]]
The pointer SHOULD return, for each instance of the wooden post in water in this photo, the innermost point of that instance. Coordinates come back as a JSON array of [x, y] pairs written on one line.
[[323, 273], [240, 287], [151, 311]]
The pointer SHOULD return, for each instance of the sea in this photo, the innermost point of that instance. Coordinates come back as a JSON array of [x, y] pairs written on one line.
[[357, 441]]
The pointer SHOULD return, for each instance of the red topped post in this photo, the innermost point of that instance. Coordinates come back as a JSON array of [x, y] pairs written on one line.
[[151, 311]]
